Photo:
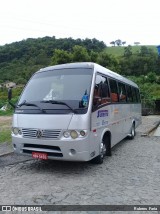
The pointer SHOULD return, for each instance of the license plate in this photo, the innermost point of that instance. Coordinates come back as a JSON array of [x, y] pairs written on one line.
[[40, 155]]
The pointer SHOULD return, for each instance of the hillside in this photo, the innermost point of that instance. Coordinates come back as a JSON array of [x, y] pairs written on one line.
[[19, 60], [119, 51]]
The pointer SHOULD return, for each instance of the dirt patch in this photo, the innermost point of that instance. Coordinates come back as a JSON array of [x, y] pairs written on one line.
[[5, 122], [5, 148]]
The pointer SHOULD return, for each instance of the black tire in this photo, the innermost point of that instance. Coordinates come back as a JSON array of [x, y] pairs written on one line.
[[108, 146], [100, 157], [132, 133], [105, 150]]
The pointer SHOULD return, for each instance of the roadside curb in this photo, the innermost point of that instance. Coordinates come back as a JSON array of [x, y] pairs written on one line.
[[5, 154], [155, 125]]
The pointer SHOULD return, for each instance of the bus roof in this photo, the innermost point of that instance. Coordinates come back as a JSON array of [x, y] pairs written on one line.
[[96, 67]]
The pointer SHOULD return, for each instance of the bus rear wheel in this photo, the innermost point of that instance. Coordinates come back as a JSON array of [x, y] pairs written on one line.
[[133, 132]]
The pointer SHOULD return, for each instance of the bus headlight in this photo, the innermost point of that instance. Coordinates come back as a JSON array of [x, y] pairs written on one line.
[[66, 134], [82, 133], [16, 131], [74, 134]]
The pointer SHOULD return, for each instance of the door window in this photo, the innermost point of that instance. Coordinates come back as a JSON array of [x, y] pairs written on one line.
[[101, 91]]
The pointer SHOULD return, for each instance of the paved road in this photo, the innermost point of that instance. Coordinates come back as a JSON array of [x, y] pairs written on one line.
[[130, 176], [157, 132]]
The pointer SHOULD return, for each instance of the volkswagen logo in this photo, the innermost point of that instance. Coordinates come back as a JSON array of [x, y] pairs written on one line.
[[39, 134]]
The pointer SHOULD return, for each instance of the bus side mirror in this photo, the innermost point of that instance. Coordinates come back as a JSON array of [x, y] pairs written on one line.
[[9, 94]]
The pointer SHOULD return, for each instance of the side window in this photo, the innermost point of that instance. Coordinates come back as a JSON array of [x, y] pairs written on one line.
[[122, 92], [129, 94], [138, 95], [114, 90], [135, 100], [101, 91]]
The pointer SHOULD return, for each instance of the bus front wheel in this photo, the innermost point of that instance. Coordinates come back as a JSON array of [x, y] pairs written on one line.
[[105, 150], [100, 157]]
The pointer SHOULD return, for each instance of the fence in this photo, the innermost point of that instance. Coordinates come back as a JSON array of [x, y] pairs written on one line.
[[150, 107]]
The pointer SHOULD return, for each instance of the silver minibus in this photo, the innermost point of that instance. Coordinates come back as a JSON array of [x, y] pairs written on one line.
[[75, 112]]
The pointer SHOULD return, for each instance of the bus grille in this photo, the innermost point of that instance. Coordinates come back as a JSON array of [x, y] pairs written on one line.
[[52, 151], [41, 134]]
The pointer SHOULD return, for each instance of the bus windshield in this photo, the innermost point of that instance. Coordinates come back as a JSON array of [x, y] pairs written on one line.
[[65, 86]]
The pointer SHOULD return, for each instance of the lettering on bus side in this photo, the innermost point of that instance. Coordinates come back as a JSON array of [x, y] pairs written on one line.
[[102, 113], [104, 122]]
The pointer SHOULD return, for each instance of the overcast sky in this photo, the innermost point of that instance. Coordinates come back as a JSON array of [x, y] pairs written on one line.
[[106, 20]]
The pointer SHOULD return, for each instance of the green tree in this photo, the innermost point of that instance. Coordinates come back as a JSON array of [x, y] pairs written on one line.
[[61, 57], [42, 58], [113, 43], [93, 56], [108, 61], [128, 51], [118, 42], [151, 77], [21, 80], [80, 54], [144, 51]]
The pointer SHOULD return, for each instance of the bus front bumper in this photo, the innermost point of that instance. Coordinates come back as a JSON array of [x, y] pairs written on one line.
[[68, 150]]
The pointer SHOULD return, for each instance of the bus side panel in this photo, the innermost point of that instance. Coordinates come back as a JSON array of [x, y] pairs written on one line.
[[107, 118], [116, 118]]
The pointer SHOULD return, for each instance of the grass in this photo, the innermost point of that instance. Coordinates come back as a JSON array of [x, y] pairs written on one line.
[[116, 51], [5, 136], [6, 113], [5, 129], [119, 51]]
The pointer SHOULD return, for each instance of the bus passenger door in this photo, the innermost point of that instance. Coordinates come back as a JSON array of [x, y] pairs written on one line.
[[100, 110]]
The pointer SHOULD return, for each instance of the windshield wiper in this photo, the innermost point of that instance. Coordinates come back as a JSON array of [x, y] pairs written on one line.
[[24, 103], [59, 102]]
